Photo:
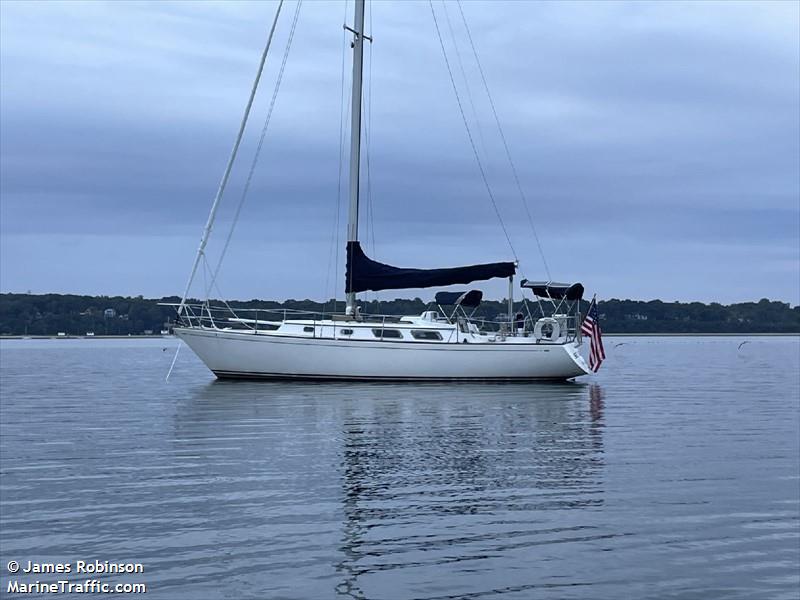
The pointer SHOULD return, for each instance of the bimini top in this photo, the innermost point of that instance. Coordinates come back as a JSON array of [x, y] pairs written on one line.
[[363, 273], [469, 299], [556, 291]]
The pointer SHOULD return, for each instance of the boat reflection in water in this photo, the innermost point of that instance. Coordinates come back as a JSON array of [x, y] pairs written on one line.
[[483, 473], [370, 489]]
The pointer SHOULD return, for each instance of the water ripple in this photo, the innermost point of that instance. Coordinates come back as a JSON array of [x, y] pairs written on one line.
[[673, 474]]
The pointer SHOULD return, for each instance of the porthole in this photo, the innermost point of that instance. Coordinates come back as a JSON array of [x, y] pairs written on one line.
[[425, 334], [387, 333]]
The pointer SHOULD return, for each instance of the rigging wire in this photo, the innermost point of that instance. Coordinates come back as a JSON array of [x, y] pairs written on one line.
[[469, 135], [482, 139], [368, 136], [174, 360], [342, 117], [223, 183], [207, 303], [249, 180], [505, 143], [215, 285], [205, 279]]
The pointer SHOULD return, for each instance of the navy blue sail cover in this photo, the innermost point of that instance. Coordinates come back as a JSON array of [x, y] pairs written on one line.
[[364, 274], [469, 299]]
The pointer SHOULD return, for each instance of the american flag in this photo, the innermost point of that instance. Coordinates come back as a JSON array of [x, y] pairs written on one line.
[[591, 327]]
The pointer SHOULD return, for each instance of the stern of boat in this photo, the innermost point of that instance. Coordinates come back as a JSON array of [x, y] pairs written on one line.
[[573, 350]]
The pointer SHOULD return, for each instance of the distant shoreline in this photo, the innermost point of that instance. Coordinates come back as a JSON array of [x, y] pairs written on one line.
[[45, 316]]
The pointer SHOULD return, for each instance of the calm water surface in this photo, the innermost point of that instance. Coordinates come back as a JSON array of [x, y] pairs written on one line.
[[673, 473]]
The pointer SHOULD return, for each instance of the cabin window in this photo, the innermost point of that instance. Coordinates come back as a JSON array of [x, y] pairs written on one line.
[[387, 333], [422, 334], [345, 332], [308, 329]]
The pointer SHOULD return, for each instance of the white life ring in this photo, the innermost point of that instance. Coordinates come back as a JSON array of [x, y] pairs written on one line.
[[554, 333]]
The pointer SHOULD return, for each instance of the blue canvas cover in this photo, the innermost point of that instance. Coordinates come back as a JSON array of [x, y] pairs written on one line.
[[364, 274], [551, 289], [469, 299]]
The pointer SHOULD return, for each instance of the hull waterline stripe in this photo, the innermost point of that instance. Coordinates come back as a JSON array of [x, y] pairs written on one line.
[[286, 376]]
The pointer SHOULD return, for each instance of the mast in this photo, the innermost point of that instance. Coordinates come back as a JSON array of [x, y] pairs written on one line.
[[355, 133], [511, 324]]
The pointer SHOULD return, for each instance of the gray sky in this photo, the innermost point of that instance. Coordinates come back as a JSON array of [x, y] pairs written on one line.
[[658, 144]]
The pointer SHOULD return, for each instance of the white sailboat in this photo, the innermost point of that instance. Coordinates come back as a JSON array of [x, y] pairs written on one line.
[[442, 344]]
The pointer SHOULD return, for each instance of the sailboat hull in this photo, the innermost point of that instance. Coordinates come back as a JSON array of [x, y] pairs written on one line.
[[257, 356]]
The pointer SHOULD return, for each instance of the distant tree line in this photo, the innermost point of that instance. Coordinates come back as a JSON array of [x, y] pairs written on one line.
[[50, 314]]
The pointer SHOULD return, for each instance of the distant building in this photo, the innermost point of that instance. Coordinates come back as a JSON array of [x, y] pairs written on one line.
[[148, 332], [109, 313]]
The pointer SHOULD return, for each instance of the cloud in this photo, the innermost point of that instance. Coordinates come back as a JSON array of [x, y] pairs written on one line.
[[639, 130]]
